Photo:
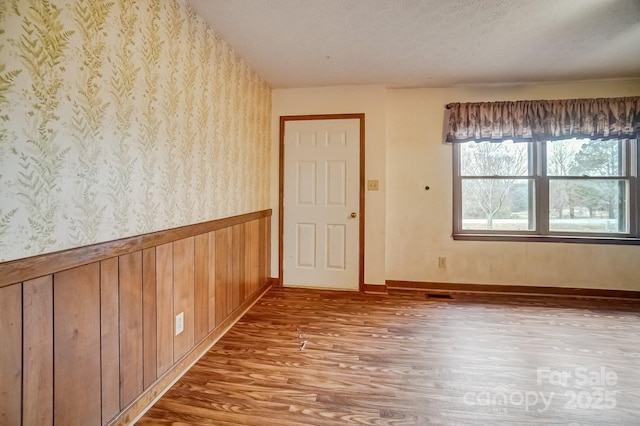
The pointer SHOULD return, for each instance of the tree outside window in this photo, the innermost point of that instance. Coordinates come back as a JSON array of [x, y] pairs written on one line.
[[584, 186]]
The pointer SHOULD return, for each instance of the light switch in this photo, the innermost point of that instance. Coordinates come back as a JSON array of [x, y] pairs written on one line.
[[372, 185]]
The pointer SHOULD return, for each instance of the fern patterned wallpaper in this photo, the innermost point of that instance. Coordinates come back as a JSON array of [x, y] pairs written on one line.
[[119, 118]]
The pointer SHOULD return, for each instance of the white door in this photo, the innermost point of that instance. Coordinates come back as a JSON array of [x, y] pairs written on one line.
[[321, 203]]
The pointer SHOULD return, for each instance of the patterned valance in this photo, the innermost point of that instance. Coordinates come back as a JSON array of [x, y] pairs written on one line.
[[526, 121]]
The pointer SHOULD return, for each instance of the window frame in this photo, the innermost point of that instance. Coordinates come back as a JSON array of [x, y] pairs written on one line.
[[537, 152]]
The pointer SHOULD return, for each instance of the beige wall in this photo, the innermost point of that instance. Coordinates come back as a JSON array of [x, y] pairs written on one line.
[[419, 222], [369, 100], [408, 228]]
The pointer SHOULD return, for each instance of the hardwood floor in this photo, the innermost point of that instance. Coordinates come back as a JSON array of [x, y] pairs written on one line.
[[405, 359]]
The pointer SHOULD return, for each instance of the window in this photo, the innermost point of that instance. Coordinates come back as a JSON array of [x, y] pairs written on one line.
[[566, 190]]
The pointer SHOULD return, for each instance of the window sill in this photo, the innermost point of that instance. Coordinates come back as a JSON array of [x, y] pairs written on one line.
[[627, 241]]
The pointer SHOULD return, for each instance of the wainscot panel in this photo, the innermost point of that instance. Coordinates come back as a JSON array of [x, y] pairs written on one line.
[[89, 334]]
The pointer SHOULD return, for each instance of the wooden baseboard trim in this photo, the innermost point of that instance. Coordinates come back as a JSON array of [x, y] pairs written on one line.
[[275, 282], [514, 289], [137, 408], [374, 289]]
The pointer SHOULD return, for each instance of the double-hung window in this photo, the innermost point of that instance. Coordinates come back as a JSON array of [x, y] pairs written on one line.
[[564, 188], [572, 189]]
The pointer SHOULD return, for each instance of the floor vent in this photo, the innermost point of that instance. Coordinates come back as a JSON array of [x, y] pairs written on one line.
[[437, 296]]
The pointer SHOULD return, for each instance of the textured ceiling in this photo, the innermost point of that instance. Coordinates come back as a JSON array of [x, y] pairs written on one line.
[[430, 43]]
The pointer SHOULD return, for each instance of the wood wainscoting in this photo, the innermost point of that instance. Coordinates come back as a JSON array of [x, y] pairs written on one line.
[[88, 334]]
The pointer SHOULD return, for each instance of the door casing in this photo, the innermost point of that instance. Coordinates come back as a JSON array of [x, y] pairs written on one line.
[[361, 213]]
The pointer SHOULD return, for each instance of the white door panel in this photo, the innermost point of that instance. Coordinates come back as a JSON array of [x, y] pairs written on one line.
[[321, 190]]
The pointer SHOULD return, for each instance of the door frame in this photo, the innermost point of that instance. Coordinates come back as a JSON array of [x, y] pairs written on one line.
[[283, 121]]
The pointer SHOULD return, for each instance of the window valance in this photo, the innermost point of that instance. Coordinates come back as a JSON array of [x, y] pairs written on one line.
[[542, 120]]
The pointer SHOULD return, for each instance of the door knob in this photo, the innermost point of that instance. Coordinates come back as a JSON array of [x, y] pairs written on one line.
[[354, 215]]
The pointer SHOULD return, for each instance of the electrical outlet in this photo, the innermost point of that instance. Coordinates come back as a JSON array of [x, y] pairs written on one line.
[[179, 323], [372, 185], [442, 262]]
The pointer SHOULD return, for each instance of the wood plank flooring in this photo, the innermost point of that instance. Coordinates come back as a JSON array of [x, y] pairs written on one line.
[[405, 359]]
